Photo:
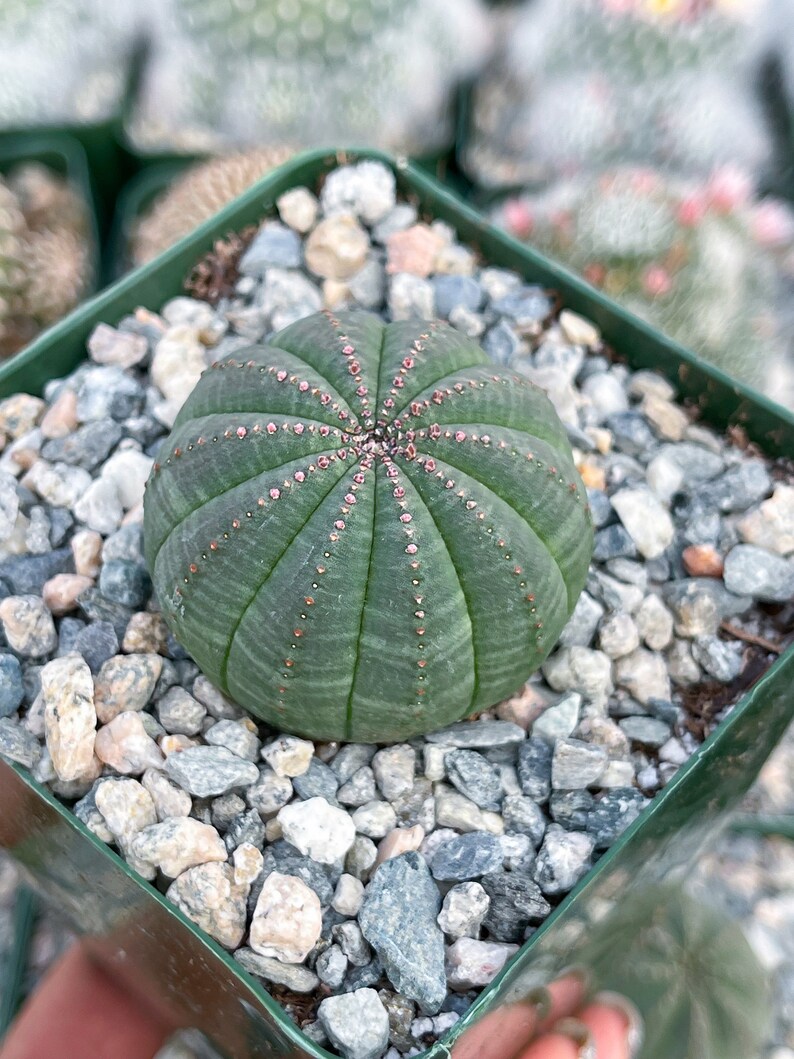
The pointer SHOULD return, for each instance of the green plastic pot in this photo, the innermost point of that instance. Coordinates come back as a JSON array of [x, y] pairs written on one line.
[[160, 955]]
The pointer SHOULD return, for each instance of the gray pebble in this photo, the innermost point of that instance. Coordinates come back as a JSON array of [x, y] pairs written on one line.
[[318, 781], [571, 809], [526, 817], [753, 571], [576, 764], [646, 730], [612, 814], [478, 734], [534, 769], [475, 777], [515, 902], [467, 857], [207, 771], [398, 918], [11, 687], [17, 744], [563, 859], [294, 977]]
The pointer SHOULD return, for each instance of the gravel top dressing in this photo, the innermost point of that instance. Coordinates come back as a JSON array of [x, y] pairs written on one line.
[[375, 891]]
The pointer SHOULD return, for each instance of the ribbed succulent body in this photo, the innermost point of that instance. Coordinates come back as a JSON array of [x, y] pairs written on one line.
[[363, 531], [698, 260], [199, 194]]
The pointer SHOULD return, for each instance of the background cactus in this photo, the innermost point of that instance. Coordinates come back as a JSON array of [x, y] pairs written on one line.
[[688, 968], [362, 531], [226, 74], [699, 261], [45, 253], [63, 61], [592, 83], [198, 194]]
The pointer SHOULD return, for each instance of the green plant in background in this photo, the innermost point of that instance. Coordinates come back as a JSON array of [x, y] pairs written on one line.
[[227, 74], [63, 61], [45, 253], [363, 531], [699, 261], [689, 970], [591, 83], [197, 195]]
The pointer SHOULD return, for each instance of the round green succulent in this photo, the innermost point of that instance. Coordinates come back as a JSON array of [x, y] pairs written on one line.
[[689, 970], [364, 530]]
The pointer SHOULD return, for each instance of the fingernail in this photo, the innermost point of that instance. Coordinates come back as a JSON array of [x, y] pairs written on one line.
[[634, 1028], [580, 972], [579, 1034], [540, 999]]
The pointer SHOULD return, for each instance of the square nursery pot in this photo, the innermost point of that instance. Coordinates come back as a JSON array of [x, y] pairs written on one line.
[[149, 945], [64, 155]]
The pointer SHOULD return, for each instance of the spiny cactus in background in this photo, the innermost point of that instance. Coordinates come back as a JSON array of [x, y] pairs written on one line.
[[700, 262], [363, 531], [13, 274], [326, 30], [63, 61], [227, 74], [197, 195], [45, 253], [591, 83], [688, 969]]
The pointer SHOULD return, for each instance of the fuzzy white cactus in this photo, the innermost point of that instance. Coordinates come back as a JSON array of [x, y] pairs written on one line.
[[590, 83], [228, 74]]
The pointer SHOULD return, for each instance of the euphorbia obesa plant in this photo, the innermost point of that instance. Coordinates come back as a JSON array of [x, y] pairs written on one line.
[[365, 530]]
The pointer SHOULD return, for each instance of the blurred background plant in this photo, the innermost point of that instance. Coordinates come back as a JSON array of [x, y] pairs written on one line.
[[46, 252], [700, 260], [535, 108]]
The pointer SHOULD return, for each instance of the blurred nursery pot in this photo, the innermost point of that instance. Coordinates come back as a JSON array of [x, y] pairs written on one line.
[[147, 943]]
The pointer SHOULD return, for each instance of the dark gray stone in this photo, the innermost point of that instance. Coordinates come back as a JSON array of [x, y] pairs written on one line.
[[600, 507], [296, 978], [12, 689], [98, 609], [516, 901], [87, 447], [528, 306], [534, 769], [68, 632], [125, 582], [318, 781], [398, 919], [571, 809], [613, 542], [478, 734], [475, 777], [467, 857], [274, 246], [26, 574], [284, 858], [97, 642], [247, 827], [612, 814], [502, 343], [61, 526], [125, 543], [631, 433], [452, 291]]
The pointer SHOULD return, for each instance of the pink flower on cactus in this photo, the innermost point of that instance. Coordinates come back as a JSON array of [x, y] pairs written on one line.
[[691, 210], [729, 188], [772, 224], [644, 181], [657, 281], [618, 7], [518, 218]]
